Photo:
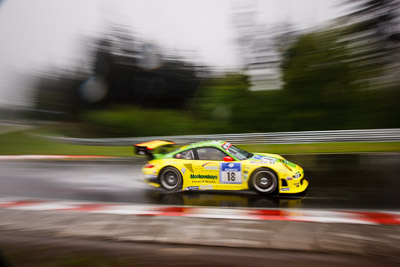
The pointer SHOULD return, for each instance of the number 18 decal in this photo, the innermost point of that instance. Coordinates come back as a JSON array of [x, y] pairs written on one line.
[[230, 173]]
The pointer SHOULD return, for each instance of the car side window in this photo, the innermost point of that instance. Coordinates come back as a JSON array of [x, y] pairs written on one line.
[[210, 153], [187, 154]]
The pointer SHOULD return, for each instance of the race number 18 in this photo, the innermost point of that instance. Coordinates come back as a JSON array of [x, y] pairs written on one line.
[[230, 173], [231, 176]]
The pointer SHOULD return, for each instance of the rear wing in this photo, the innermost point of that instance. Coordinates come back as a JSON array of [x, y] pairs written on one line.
[[147, 147]]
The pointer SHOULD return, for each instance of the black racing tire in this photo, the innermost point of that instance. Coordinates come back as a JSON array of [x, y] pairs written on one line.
[[264, 181], [171, 179]]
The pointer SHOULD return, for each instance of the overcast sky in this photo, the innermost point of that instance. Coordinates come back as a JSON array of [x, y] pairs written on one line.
[[38, 33]]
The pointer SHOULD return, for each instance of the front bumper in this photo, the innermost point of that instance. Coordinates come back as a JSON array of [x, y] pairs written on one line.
[[292, 185]]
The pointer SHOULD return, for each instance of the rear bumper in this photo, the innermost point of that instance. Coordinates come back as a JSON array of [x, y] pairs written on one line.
[[151, 180]]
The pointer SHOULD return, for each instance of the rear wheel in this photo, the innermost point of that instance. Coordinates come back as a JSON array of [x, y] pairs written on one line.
[[264, 181], [171, 179]]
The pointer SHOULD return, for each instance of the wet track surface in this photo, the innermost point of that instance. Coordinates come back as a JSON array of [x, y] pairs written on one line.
[[350, 181]]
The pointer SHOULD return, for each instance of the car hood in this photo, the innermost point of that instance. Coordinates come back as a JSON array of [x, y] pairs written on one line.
[[271, 158], [260, 156]]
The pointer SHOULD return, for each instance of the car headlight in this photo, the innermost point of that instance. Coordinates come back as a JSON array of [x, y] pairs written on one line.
[[297, 175]]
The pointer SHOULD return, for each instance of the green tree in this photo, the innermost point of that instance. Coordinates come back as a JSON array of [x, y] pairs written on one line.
[[221, 100], [317, 79]]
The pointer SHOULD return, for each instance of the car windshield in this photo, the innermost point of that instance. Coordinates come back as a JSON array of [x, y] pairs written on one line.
[[239, 153]]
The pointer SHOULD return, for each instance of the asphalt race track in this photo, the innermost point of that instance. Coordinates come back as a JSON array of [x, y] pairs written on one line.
[[337, 181]]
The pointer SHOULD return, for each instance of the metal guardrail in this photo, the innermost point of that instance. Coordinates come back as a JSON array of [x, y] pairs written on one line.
[[376, 135]]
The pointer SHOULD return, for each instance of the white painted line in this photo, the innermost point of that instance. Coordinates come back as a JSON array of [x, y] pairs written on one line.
[[43, 206], [127, 210]]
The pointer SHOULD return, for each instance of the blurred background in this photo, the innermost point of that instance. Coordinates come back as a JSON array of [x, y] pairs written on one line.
[[78, 71], [102, 68]]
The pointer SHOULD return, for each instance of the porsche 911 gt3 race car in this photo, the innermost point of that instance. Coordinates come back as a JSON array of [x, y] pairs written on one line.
[[218, 165]]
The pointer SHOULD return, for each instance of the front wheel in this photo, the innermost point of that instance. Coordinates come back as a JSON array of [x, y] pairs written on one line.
[[171, 179], [264, 181]]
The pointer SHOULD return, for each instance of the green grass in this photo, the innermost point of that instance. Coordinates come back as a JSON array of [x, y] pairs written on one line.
[[22, 143], [326, 148]]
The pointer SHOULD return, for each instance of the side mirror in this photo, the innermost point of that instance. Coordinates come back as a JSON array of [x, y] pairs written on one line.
[[228, 158]]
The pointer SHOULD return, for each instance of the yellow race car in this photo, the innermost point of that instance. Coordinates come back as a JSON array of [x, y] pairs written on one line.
[[218, 165]]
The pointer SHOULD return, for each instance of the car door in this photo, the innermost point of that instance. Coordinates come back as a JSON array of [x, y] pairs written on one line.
[[214, 172], [206, 167]]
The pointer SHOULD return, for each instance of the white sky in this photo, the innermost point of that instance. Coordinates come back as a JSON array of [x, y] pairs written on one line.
[[39, 33]]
